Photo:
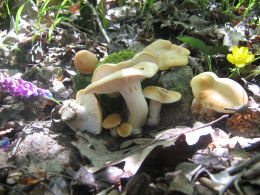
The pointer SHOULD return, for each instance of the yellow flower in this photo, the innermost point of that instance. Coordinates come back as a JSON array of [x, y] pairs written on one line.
[[240, 56]]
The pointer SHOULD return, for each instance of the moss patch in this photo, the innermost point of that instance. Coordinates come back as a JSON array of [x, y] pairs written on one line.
[[81, 81], [120, 56]]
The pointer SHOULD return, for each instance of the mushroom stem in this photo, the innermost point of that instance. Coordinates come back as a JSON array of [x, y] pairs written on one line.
[[154, 113], [136, 104]]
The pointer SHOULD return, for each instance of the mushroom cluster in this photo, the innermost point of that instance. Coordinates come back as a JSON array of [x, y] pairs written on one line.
[[125, 79], [213, 94]]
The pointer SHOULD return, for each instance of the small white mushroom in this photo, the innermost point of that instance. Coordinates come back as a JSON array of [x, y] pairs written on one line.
[[158, 96]]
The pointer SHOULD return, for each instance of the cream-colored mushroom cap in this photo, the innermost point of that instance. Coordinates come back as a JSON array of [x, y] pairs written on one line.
[[109, 68], [83, 114], [217, 93], [111, 121], [85, 62], [120, 79], [124, 130], [161, 95], [158, 96], [167, 54]]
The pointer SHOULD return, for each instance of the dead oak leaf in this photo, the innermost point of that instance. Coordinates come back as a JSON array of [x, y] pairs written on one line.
[[244, 124]]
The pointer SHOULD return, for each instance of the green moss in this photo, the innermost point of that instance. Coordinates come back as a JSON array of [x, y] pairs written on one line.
[[80, 81], [120, 56]]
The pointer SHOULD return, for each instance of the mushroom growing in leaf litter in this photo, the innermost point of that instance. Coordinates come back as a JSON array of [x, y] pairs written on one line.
[[83, 114], [158, 96], [213, 93], [127, 83]]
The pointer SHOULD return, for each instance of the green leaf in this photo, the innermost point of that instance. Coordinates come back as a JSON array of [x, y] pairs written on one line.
[[212, 50], [195, 43], [55, 24], [18, 15]]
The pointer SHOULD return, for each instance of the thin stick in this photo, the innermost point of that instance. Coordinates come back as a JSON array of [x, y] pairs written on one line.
[[98, 21], [238, 168]]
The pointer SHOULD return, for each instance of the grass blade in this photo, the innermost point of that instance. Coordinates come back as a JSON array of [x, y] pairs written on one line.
[[18, 15]]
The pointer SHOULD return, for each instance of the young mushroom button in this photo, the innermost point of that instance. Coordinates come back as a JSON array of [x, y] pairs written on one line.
[[111, 122], [124, 130], [127, 83], [158, 96], [85, 62], [214, 93]]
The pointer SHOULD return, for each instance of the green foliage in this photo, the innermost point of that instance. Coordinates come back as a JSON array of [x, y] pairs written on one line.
[[7, 8], [120, 56], [231, 6], [18, 15], [80, 81], [204, 48], [103, 14], [42, 10], [150, 2]]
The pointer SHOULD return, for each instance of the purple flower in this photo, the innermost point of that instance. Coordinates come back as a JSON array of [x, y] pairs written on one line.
[[21, 87], [4, 143]]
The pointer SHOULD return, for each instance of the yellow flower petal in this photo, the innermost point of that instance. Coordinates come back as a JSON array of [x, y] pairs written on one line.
[[230, 58], [235, 50], [250, 58]]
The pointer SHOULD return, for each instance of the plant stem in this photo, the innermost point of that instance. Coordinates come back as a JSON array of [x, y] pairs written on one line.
[[209, 62]]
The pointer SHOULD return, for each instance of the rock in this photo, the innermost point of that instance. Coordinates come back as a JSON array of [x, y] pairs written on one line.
[[179, 113], [40, 151], [138, 184]]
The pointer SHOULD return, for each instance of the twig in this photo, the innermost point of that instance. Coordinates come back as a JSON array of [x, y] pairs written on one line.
[[236, 169], [98, 21], [216, 187], [210, 123], [230, 182]]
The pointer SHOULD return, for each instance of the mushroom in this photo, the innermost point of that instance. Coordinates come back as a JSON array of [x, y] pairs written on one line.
[[167, 54], [111, 122], [84, 113], [158, 96], [213, 93], [127, 83], [124, 130], [85, 62], [106, 69]]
